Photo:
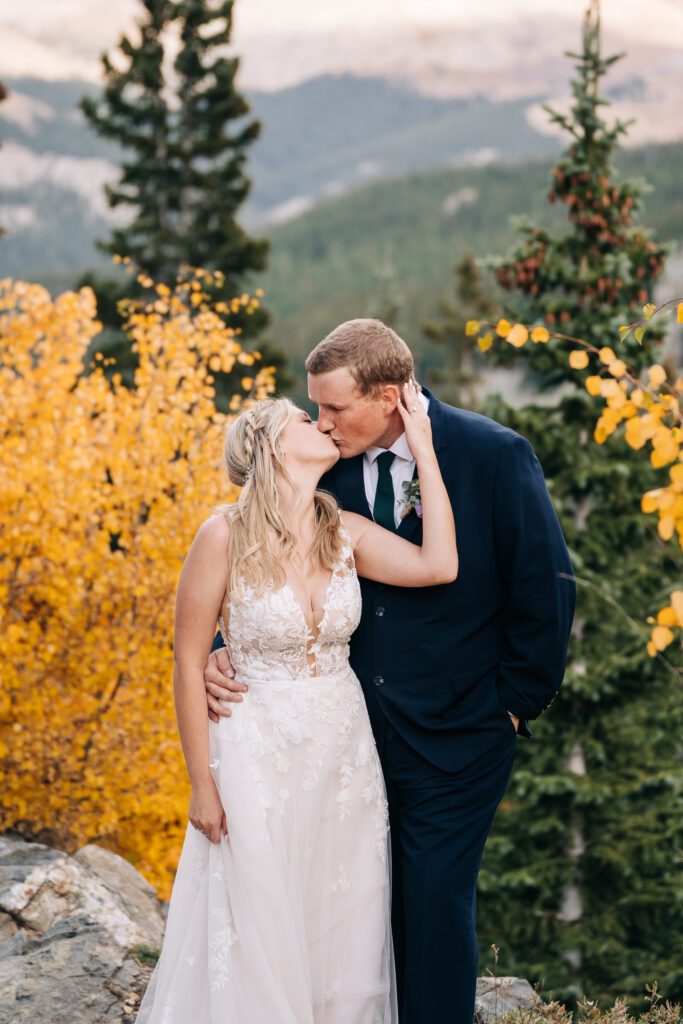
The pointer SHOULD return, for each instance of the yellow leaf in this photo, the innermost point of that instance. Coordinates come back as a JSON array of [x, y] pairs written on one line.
[[666, 617], [662, 637], [540, 334], [648, 310], [665, 527], [578, 359], [651, 649], [485, 341], [503, 328], [593, 385], [517, 336], [472, 327], [650, 501], [677, 605], [656, 375], [607, 355], [679, 313], [617, 368]]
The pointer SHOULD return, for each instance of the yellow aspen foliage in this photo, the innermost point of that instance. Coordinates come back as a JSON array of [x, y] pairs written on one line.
[[517, 336], [578, 360], [656, 375], [103, 488], [650, 412]]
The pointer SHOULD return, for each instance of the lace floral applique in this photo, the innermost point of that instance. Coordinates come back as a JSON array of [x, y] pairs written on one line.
[[220, 940]]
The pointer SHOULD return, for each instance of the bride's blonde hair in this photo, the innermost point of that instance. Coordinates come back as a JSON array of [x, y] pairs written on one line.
[[253, 459]]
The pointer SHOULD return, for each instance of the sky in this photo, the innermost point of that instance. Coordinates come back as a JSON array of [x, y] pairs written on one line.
[[654, 20], [285, 42]]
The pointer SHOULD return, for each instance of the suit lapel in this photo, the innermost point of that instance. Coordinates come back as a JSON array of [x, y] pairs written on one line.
[[350, 486]]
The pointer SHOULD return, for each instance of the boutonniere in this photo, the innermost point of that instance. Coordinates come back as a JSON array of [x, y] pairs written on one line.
[[412, 499]]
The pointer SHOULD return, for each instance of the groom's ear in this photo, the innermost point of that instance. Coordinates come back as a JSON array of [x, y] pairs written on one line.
[[390, 395]]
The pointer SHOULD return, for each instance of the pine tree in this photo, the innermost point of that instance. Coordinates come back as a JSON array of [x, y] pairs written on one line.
[[458, 377], [187, 132], [185, 179], [582, 884], [134, 113]]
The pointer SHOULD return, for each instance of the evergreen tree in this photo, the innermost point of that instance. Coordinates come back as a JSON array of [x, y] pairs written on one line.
[[185, 179], [457, 379], [582, 884], [187, 131]]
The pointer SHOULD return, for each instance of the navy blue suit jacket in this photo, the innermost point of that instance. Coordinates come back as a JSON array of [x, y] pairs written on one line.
[[444, 664]]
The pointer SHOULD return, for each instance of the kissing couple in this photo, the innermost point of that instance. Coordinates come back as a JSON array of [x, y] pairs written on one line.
[[394, 598]]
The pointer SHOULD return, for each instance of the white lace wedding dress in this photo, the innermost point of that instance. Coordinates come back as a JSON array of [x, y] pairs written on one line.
[[287, 921]]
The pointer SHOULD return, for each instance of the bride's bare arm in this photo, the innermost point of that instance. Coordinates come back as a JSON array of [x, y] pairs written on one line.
[[201, 591], [382, 555]]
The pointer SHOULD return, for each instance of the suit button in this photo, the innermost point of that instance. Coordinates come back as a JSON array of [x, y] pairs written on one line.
[[379, 611], [378, 680]]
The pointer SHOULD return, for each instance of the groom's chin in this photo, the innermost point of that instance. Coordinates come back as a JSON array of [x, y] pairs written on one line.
[[347, 451]]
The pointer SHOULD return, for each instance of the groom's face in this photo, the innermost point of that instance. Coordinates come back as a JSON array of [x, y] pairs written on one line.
[[354, 421]]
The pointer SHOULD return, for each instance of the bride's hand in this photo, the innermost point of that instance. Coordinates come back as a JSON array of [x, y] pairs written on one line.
[[416, 422], [206, 811]]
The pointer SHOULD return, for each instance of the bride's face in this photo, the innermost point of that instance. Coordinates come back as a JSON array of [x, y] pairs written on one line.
[[304, 445]]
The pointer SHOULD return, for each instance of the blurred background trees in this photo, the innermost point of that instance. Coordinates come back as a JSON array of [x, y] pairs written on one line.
[[582, 873]]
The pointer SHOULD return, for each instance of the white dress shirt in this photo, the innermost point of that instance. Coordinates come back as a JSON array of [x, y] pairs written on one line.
[[402, 469]]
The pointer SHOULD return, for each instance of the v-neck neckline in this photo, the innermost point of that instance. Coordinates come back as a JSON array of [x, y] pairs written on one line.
[[313, 631]]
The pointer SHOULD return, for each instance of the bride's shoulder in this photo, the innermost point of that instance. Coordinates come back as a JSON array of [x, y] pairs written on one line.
[[214, 531], [354, 525]]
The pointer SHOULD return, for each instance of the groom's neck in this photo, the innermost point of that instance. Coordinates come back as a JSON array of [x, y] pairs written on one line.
[[393, 431]]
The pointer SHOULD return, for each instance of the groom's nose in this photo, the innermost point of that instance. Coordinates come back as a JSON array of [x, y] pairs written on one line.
[[325, 423]]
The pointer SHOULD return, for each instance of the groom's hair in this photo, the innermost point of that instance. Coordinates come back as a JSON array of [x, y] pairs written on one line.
[[373, 353]]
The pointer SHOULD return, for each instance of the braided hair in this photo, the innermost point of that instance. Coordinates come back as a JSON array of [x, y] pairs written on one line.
[[261, 539]]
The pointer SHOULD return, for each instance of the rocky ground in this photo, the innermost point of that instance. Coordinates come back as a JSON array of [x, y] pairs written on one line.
[[80, 933]]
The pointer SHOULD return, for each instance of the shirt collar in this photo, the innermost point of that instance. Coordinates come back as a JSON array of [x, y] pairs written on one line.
[[400, 446]]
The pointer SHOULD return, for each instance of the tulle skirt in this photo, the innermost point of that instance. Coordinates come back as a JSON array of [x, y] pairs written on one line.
[[287, 920]]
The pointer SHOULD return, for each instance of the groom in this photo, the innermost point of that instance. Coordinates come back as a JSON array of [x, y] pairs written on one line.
[[451, 673]]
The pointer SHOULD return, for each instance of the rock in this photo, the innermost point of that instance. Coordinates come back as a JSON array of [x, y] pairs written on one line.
[[496, 996], [69, 925], [36, 891]]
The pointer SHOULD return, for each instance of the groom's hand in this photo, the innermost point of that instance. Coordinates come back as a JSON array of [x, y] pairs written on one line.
[[515, 720], [220, 685]]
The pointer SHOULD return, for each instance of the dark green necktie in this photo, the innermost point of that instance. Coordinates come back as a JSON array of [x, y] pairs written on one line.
[[384, 498]]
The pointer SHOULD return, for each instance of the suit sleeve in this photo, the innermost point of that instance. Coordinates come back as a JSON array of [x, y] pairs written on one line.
[[540, 591], [218, 642]]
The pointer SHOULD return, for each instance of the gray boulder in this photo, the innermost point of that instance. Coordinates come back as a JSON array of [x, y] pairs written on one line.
[[77, 935]]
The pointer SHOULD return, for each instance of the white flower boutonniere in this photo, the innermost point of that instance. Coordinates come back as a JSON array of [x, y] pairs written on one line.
[[411, 499]]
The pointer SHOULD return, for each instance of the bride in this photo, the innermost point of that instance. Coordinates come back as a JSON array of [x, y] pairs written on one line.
[[280, 910]]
